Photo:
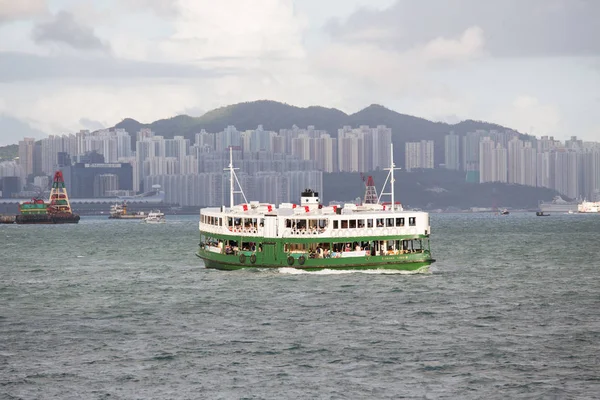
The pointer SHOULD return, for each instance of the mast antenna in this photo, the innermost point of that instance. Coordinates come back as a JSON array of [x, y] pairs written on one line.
[[233, 177], [390, 177]]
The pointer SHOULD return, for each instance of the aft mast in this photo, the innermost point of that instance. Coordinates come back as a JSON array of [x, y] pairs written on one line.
[[390, 177], [232, 177]]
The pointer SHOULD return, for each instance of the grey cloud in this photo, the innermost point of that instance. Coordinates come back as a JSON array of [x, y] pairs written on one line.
[[91, 124], [26, 67], [12, 130], [511, 27], [63, 28]]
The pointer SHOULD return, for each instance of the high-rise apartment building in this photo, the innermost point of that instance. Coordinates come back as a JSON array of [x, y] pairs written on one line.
[[452, 151], [419, 154], [26, 155]]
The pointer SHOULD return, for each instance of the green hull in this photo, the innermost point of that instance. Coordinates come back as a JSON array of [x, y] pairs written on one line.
[[273, 255], [407, 262]]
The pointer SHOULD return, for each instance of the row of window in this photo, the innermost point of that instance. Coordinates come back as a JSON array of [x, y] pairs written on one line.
[[314, 223], [373, 222]]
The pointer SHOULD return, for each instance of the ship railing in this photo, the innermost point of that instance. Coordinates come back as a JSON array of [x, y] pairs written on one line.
[[304, 232], [238, 229]]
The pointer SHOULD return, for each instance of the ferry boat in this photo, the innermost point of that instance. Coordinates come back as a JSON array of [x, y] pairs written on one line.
[[155, 217], [589, 207], [119, 211], [310, 236]]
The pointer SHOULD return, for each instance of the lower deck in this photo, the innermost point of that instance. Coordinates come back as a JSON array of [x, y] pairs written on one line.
[[403, 253]]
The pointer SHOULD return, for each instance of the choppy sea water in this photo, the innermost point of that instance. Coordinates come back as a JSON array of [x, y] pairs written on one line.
[[111, 309]]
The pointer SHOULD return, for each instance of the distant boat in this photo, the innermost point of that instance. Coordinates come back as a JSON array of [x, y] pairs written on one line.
[[119, 211], [542, 214], [504, 212], [155, 217], [589, 207]]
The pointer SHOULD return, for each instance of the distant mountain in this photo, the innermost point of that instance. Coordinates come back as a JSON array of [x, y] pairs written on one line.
[[8, 153], [274, 116]]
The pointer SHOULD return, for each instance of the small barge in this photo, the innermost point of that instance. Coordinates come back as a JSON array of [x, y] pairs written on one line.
[[57, 210]]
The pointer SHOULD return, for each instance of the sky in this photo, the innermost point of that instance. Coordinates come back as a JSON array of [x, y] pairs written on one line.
[[67, 65]]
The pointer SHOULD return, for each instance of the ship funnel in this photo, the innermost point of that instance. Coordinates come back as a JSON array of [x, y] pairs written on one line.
[[309, 198]]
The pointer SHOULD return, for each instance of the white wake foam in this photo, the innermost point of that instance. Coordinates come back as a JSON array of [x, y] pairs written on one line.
[[294, 271]]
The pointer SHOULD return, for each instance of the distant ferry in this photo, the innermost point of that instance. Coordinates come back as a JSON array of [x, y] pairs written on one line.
[[558, 205], [119, 211], [589, 207], [155, 217], [309, 236]]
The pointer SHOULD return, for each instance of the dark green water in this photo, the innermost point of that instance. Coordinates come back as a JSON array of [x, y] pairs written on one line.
[[124, 310]]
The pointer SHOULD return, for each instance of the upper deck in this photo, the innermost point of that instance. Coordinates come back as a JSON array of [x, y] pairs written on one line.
[[290, 221]]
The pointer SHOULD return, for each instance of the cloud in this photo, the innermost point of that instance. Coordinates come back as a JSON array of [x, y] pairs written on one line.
[[512, 27], [385, 75], [64, 29], [528, 115], [91, 125], [13, 129], [163, 8], [193, 111], [469, 44], [204, 28], [20, 9], [16, 67]]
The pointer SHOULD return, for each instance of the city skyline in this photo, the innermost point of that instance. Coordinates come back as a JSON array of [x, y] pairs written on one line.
[[67, 65], [571, 167]]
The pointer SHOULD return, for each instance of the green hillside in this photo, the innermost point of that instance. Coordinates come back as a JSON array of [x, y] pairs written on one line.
[[9, 152], [275, 116]]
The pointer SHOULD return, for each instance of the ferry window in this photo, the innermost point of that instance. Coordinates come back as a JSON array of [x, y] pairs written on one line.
[[369, 223], [262, 222], [220, 221], [361, 223], [322, 223], [229, 221], [345, 224], [352, 224], [412, 221], [389, 222], [335, 224], [399, 221], [288, 223], [379, 221]]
